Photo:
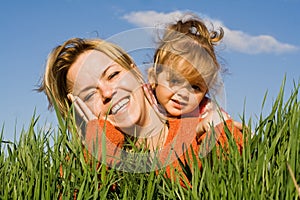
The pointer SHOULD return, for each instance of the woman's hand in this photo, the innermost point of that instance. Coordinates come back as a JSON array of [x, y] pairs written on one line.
[[82, 113], [81, 108]]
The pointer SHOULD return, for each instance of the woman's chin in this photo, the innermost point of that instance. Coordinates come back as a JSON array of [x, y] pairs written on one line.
[[123, 120]]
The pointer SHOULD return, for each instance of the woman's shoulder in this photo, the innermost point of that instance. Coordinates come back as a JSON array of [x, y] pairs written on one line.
[[98, 126]]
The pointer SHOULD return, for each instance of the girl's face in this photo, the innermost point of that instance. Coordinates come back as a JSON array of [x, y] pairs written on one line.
[[176, 95], [108, 89]]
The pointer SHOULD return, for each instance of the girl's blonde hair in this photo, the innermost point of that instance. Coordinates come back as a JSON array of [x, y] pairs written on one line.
[[54, 82], [188, 48]]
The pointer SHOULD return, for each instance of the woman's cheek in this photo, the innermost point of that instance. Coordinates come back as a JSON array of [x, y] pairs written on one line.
[[94, 106], [128, 81]]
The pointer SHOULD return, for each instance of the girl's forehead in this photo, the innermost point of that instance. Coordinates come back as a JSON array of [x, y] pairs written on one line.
[[178, 64], [169, 74], [173, 70], [182, 73]]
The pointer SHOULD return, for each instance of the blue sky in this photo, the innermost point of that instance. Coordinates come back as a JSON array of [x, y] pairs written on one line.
[[261, 45]]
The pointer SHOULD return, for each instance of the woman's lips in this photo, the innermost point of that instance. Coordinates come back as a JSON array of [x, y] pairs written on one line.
[[120, 105]]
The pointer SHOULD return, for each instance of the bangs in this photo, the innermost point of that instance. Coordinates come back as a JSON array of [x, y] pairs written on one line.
[[185, 70]]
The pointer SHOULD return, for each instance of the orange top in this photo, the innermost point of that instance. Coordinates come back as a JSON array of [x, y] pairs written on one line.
[[181, 141], [114, 140]]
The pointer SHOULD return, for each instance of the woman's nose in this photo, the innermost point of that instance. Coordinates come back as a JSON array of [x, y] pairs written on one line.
[[107, 92]]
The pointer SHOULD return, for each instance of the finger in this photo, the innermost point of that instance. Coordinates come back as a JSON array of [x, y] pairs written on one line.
[[71, 97], [238, 125], [201, 128], [149, 94], [146, 92], [76, 106], [80, 118], [87, 113], [79, 114], [152, 95], [216, 116]]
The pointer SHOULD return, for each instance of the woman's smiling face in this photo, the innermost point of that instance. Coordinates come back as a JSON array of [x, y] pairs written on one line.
[[108, 89]]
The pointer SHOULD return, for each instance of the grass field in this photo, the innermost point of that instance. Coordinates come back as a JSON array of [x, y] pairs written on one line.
[[269, 167]]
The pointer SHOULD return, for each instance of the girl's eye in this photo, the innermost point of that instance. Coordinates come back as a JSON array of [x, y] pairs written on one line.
[[113, 74], [196, 87], [89, 96], [174, 81]]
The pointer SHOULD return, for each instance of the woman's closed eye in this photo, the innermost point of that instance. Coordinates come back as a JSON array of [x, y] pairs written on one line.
[[89, 96], [113, 75]]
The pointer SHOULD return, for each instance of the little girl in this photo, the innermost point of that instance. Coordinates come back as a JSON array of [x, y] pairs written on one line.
[[185, 80], [185, 76]]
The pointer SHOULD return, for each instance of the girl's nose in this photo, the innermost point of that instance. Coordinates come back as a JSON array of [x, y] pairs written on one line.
[[183, 93]]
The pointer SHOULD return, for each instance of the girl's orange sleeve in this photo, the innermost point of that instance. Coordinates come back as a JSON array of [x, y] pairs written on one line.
[[221, 137]]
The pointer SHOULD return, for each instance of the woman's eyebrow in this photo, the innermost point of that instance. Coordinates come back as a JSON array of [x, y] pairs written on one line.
[[102, 75], [105, 71], [85, 89]]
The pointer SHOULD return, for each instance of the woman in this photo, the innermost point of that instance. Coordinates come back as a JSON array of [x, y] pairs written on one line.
[[109, 94], [103, 79]]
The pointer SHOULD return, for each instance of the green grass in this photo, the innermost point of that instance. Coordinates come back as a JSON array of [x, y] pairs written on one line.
[[269, 167]]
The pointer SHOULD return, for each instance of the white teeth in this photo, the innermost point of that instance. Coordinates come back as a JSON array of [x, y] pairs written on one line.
[[119, 105]]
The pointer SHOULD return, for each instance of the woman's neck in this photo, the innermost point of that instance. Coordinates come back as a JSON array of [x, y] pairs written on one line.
[[154, 131]]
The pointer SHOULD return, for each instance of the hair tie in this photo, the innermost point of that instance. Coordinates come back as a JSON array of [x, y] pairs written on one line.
[[193, 30]]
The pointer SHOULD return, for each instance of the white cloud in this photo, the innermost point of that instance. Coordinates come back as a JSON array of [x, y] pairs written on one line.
[[151, 18], [242, 42], [234, 40]]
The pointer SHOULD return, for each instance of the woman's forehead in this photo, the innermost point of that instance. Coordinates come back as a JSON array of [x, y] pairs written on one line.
[[93, 58], [88, 67], [92, 62]]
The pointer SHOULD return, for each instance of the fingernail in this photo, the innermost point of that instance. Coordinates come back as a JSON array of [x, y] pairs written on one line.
[[70, 97]]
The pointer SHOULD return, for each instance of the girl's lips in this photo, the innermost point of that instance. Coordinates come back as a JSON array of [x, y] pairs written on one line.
[[177, 104]]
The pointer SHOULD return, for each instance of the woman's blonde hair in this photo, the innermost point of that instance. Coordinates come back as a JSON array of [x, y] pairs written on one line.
[[188, 48], [54, 82]]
